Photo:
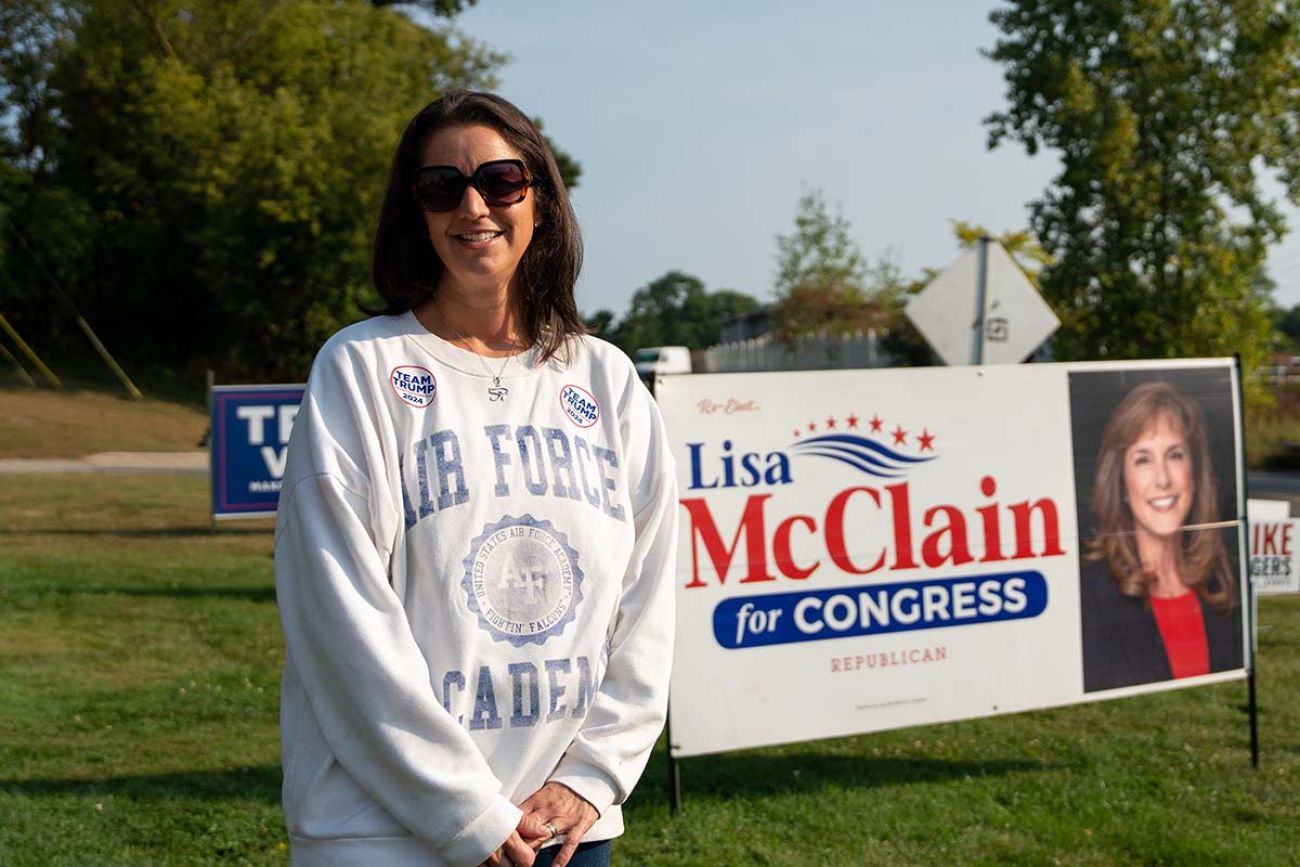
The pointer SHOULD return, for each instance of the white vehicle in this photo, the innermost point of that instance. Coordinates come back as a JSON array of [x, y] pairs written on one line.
[[654, 360]]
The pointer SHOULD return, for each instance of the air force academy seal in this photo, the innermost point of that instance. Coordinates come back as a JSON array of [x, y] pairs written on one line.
[[522, 580]]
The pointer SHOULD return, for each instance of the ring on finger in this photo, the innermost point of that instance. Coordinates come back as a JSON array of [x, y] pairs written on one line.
[[550, 826]]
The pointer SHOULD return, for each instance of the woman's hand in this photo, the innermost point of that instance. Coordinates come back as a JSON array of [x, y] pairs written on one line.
[[565, 811], [520, 847]]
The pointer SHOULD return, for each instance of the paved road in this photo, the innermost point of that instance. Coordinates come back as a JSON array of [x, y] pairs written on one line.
[[111, 462], [1262, 484]]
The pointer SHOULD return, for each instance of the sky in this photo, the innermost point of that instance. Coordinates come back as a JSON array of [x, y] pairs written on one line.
[[698, 125]]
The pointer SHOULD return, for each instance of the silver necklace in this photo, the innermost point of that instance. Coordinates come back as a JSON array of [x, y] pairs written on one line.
[[496, 391]]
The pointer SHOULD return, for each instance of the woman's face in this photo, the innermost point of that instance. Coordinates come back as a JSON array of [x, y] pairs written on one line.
[[1158, 479], [480, 245]]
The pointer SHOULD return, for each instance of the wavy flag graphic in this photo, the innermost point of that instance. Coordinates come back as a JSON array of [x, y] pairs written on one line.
[[867, 455]]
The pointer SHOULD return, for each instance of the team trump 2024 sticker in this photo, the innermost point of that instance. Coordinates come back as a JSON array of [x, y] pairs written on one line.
[[414, 385], [580, 405]]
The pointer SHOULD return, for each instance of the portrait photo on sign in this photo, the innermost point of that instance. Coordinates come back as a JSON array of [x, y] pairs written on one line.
[[1155, 468]]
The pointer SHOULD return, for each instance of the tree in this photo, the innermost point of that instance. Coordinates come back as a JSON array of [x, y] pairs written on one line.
[[570, 168], [1287, 330], [819, 252], [32, 34], [890, 291], [445, 8], [676, 310], [601, 323], [821, 276], [1021, 245], [1164, 113], [203, 176]]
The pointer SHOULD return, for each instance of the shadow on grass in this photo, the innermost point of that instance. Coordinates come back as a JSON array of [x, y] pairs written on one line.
[[712, 778], [249, 594], [160, 533], [260, 782], [723, 776]]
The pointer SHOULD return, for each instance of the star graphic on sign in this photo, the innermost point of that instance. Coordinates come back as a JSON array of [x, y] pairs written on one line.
[[852, 420], [830, 424], [900, 435], [927, 439], [812, 426], [798, 432], [876, 423]]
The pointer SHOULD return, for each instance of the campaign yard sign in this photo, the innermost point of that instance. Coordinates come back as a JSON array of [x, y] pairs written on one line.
[[1275, 556], [866, 550], [250, 434]]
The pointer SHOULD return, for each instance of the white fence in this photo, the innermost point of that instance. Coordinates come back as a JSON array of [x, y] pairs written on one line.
[[820, 352]]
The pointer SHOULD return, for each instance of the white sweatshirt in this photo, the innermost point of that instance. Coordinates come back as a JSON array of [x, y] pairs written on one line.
[[476, 595]]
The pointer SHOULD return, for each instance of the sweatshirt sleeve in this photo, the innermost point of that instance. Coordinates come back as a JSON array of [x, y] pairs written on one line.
[[611, 750], [349, 642]]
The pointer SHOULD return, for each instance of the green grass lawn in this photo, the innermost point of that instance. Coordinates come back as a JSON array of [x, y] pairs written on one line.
[[139, 662]]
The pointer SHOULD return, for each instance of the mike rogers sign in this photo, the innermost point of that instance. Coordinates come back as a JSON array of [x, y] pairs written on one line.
[[250, 432], [1275, 556], [864, 550]]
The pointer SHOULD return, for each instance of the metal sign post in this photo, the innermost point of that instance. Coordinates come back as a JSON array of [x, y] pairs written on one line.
[[674, 774], [981, 293], [1251, 612]]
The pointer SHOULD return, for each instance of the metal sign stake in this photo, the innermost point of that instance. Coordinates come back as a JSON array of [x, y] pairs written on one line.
[[1250, 616], [981, 294], [674, 773]]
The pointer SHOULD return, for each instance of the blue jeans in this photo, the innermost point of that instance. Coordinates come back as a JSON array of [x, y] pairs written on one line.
[[588, 855]]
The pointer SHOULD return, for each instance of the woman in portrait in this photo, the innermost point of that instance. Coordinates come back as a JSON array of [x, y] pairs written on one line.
[[1159, 600], [476, 533]]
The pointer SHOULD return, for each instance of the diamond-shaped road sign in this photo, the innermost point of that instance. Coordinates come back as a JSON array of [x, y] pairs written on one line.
[[1015, 318]]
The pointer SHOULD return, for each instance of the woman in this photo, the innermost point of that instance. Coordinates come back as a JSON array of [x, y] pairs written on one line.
[[1165, 606], [476, 533]]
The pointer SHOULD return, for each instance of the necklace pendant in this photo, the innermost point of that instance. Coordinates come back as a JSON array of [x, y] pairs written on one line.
[[496, 391]]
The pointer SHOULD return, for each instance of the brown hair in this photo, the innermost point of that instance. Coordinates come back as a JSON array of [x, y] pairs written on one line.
[[1204, 562], [406, 270]]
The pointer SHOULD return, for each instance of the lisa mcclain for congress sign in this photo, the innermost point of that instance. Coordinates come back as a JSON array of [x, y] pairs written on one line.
[[865, 550]]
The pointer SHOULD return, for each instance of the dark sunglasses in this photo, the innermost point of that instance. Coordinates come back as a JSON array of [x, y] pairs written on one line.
[[499, 182]]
